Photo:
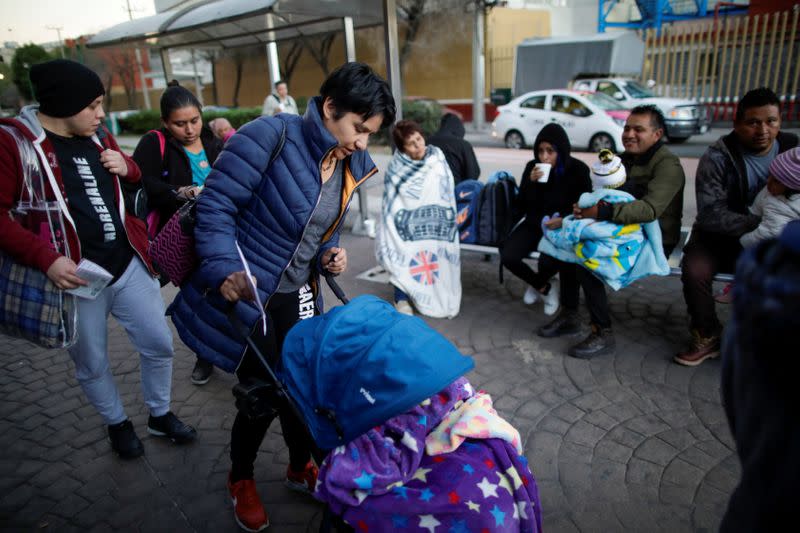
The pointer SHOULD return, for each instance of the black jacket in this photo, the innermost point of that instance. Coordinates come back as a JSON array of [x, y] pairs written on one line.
[[459, 153], [564, 186], [759, 385], [163, 178], [721, 187]]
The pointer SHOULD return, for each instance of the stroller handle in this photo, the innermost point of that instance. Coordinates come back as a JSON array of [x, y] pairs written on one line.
[[330, 278]]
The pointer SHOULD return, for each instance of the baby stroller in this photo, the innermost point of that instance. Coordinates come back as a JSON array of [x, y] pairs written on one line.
[[401, 438]]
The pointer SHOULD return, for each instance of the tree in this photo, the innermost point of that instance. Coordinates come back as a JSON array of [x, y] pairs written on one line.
[[121, 62], [24, 58], [238, 56], [5, 76], [290, 60], [319, 46], [411, 13], [211, 55]]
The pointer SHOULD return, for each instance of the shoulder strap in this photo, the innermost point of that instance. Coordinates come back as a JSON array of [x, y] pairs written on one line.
[[162, 141]]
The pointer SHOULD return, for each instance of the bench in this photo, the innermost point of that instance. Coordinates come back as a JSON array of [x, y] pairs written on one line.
[[674, 259]]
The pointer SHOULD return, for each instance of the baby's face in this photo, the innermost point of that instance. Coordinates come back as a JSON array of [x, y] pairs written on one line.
[[775, 187]]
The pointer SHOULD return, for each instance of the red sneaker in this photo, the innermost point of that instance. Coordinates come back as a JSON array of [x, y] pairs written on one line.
[[303, 481], [247, 507]]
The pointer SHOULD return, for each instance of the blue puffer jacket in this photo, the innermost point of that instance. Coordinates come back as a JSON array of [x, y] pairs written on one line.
[[265, 208]]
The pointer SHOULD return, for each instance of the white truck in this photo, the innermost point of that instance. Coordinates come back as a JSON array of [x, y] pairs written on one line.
[[684, 117]]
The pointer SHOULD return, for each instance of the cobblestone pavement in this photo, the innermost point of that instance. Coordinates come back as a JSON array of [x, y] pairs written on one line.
[[629, 442]]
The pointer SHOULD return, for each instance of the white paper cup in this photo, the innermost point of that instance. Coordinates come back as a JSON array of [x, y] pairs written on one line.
[[544, 168]]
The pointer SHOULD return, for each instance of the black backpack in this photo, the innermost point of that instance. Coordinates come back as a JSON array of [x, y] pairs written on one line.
[[496, 209]]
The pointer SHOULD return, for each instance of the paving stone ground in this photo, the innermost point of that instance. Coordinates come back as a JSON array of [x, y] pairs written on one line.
[[629, 442]]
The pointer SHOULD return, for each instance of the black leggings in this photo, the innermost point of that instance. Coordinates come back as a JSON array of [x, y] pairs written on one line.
[[283, 311], [522, 241]]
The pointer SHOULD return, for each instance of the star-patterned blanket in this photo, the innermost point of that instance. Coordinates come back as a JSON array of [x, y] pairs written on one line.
[[384, 480]]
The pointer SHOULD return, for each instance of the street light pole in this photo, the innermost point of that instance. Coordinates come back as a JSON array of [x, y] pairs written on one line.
[[145, 90], [60, 42]]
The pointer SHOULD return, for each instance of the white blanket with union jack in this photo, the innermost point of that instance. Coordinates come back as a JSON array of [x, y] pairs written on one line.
[[417, 239]]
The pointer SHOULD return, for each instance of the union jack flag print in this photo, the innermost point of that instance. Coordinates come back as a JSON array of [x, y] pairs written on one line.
[[424, 267]]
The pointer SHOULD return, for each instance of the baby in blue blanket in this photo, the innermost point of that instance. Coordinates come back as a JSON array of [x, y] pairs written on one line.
[[616, 253]]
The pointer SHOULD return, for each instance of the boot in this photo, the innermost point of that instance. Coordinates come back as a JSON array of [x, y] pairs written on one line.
[[599, 342], [566, 323], [700, 348]]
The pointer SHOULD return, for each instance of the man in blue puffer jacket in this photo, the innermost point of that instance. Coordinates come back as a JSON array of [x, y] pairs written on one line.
[[278, 193]]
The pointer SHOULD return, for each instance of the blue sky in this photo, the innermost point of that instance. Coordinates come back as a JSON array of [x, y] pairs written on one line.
[[26, 21]]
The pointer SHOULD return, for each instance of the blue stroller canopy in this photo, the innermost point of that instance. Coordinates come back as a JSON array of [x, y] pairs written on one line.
[[361, 364]]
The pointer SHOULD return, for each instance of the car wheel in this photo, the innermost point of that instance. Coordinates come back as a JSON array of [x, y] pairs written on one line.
[[677, 140], [515, 140], [601, 141]]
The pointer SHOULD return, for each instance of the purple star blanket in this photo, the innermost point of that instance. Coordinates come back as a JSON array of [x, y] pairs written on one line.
[[384, 480]]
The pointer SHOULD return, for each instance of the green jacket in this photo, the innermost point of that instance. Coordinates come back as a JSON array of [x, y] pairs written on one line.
[[656, 180]]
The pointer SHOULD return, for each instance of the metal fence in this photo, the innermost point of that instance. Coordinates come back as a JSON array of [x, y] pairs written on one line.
[[718, 60]]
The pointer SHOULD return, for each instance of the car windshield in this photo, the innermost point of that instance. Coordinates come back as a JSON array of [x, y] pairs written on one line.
[[636, 90], [603, 101]]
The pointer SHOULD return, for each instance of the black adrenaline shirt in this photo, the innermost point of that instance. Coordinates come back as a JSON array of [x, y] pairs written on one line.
[[90, 193]]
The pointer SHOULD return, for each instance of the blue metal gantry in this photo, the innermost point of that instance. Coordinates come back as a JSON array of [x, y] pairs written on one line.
[[654, 13]]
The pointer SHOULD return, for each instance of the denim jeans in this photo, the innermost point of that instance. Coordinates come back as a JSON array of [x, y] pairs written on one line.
[[135, 301]]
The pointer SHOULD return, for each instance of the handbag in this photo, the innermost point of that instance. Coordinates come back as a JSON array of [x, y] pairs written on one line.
[[172, 249], [31, 306]]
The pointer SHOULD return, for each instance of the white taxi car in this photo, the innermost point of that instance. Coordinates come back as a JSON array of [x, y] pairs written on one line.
[[592, 121]]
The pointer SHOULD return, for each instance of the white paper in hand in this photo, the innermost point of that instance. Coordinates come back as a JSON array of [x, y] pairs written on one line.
[[97, 279], [253, 288]]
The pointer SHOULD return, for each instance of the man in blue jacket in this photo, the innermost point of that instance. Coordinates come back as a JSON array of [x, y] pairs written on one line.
[[277, 197]]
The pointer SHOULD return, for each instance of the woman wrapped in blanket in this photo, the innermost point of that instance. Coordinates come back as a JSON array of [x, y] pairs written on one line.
[[417, 242]]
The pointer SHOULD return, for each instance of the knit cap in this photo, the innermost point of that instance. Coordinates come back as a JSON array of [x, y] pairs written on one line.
[[64, 88], [608, 172], [786, 168]]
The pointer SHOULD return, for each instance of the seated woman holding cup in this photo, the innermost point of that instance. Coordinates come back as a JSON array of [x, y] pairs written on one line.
[[551, 183]]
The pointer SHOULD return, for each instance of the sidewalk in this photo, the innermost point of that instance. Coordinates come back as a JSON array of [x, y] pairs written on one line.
[[630, 442]]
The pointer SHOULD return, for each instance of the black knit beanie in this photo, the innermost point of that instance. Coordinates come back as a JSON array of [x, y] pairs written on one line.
[[63, 87]]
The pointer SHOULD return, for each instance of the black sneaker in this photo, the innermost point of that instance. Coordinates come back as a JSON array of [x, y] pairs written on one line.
[[599, 342], [202, 372], [169, 426], [566, 323], [124, 440]]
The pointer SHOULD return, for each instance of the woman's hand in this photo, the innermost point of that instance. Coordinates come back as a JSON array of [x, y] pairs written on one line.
[[536, 174], [236, 287], [188, 192], [334, 260], [62, 273], [554, 223], [114, 162]]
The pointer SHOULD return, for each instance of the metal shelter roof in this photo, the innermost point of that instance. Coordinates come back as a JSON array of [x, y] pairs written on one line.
[[234, 23]]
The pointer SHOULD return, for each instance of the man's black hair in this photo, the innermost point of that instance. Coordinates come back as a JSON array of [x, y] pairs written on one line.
[[275, 85], [756, 98], [656, 116], [355, 88], [177, 97]]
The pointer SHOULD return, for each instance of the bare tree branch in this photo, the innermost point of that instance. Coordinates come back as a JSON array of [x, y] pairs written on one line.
[[291, 59], [319, 47]]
